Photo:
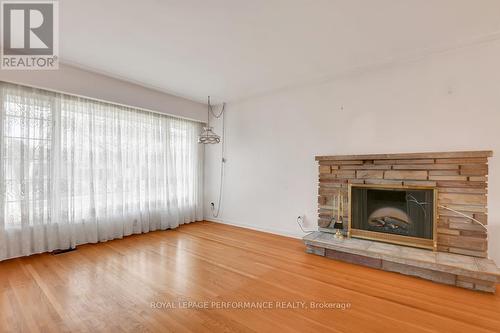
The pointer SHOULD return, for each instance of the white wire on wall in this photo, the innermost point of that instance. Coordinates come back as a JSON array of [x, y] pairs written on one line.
[[216, 211]]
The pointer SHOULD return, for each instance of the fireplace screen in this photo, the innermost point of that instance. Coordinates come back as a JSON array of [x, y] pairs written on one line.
[[402, 212]]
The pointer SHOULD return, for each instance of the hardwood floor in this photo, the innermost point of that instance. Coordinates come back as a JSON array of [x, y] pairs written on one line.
[[110, 287]]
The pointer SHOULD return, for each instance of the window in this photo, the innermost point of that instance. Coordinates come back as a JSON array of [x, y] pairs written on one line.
[[113, 169], [27, 137]]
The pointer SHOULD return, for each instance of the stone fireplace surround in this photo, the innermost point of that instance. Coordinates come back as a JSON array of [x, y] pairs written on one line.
[[460, 179]]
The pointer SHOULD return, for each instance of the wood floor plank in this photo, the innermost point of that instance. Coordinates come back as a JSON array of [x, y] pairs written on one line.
[[109, 287]]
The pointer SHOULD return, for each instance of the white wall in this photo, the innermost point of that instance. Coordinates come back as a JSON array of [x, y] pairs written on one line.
[[72, 80], [445, 102]]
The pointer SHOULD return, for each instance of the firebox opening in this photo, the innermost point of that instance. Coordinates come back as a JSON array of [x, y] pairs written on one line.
[[397, 215]]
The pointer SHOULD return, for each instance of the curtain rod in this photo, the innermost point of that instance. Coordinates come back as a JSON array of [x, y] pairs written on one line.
[[102, 101]]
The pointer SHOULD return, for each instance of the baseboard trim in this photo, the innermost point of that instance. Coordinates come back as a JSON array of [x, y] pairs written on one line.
[[267, 230]]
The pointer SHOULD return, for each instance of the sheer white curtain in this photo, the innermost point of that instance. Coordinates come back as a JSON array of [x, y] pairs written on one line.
[[75, 171]]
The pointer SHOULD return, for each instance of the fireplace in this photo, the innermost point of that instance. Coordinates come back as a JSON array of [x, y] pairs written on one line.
[[401, 215], [432, 201]]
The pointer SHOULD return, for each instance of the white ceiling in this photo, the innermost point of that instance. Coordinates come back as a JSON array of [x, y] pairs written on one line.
[[234, 49]]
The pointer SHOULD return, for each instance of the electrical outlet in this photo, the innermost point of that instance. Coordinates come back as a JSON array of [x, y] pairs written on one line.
[[301, 221]]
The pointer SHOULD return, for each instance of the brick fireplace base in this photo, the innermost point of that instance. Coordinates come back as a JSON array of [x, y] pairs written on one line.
[[452, 269]]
